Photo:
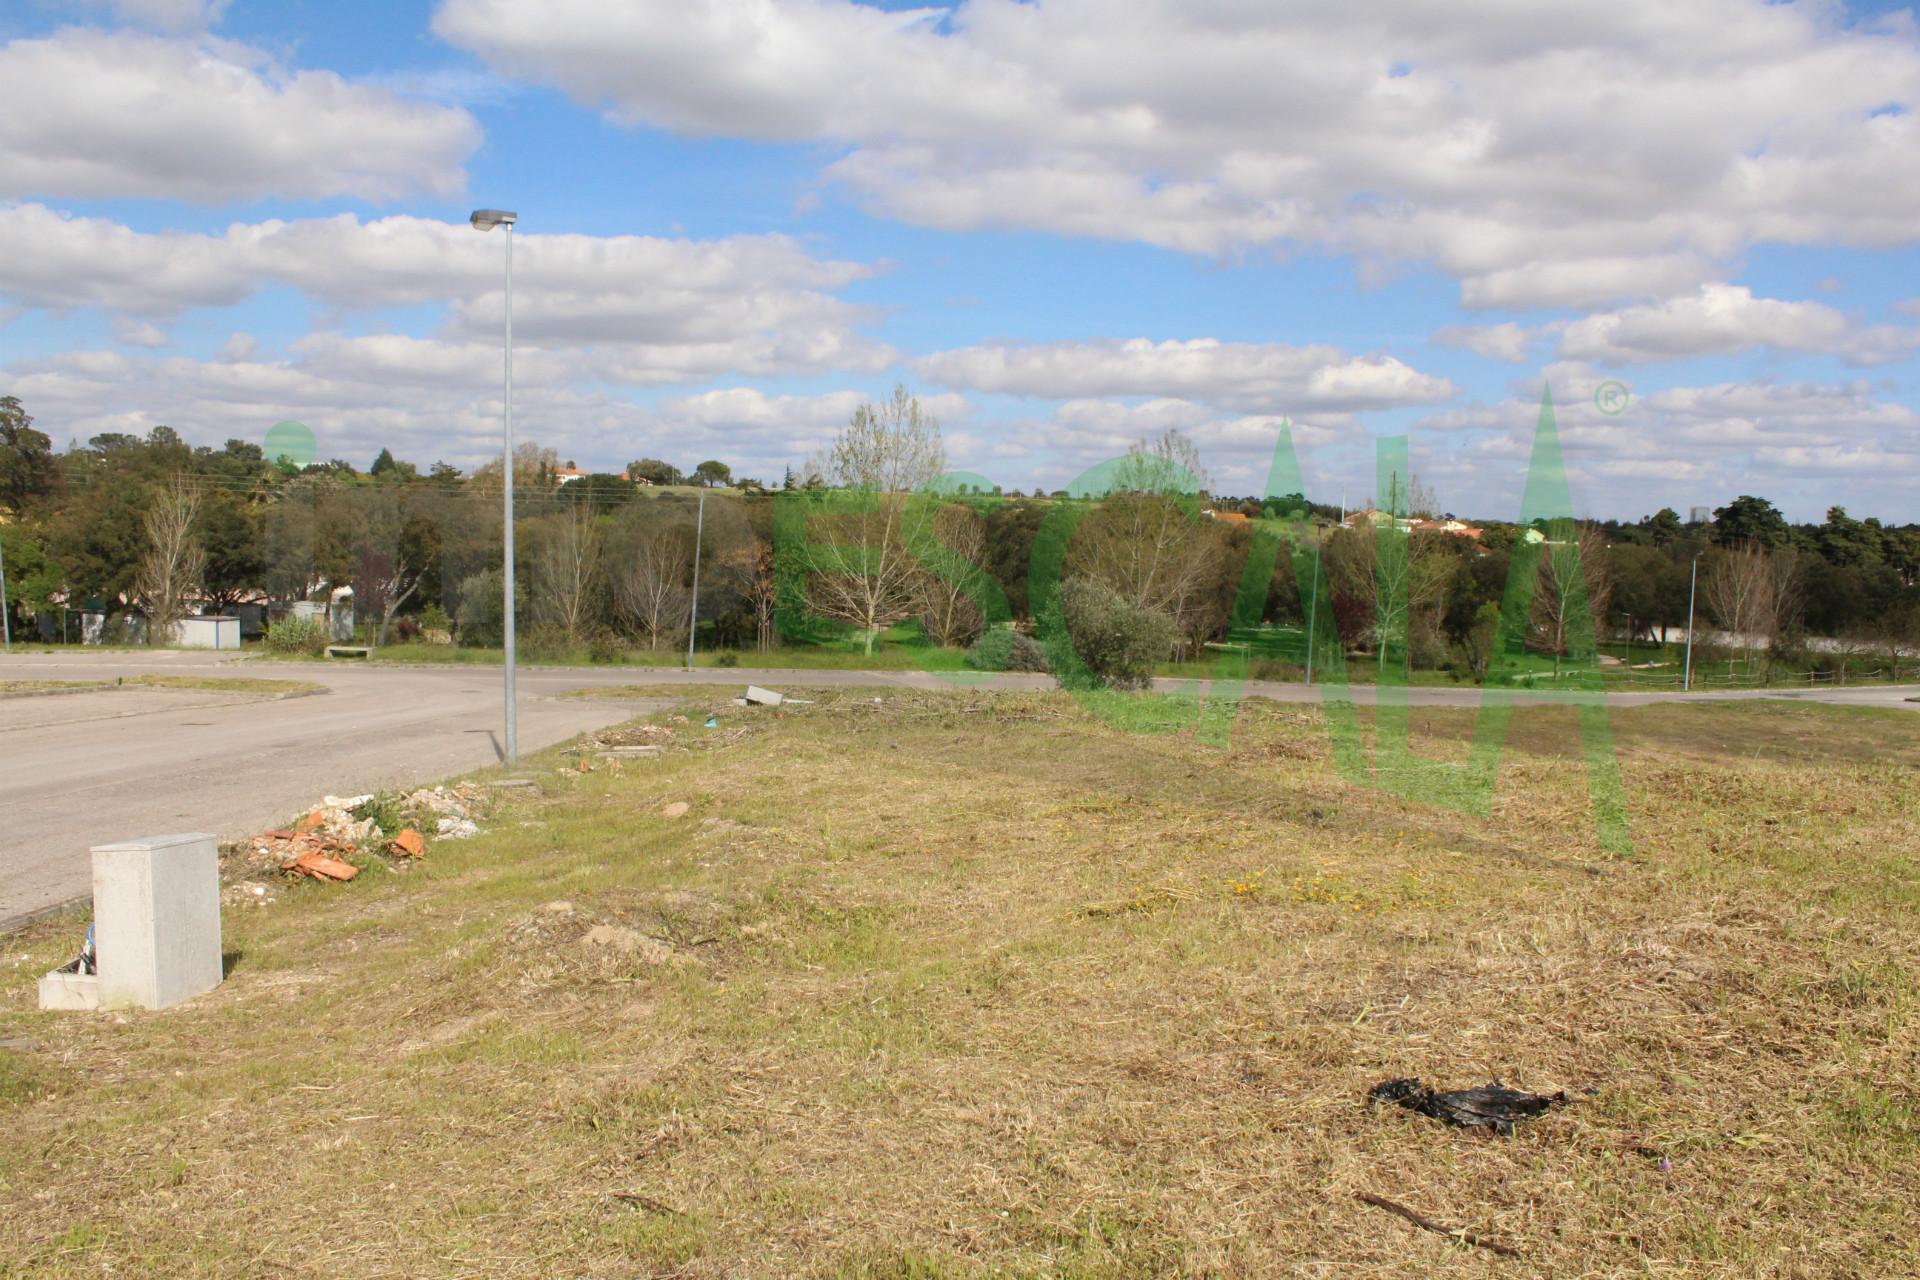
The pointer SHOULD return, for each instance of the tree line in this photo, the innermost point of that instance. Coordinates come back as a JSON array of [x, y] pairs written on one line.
[[885, 537]]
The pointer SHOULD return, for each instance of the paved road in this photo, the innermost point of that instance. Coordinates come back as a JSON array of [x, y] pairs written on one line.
[[78, 770], [82, 769]]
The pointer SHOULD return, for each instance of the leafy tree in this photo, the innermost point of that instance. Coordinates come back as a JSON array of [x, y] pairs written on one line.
[[713, 473], [230, 532], [653, 471], [27, 467], [1664, 527], [1749, 520]]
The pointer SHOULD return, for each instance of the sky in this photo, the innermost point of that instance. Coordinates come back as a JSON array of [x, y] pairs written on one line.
[[1066, 225]]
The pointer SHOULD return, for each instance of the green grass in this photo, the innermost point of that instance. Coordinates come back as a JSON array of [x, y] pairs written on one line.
[[975, 985]]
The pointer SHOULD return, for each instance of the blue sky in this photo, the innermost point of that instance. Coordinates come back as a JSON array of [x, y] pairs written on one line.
[[1067, 224]]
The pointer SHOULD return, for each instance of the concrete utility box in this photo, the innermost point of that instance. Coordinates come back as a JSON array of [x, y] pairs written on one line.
[[156, 921]]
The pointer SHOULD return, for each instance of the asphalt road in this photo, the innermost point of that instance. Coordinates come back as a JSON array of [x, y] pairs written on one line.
[[82, 769]]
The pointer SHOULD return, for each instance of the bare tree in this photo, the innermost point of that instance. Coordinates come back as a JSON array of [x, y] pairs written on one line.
[[1146, 541], [651, 587], [861, 568], [387, 563], [1573, 582], [566, 569], [1753, 594], [1396, 573], [949, 615], [172, 569]]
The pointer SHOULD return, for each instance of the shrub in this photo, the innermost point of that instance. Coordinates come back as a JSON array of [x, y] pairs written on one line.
[[434, 621], [1004, 649], [1117, 644], [727, 658], [546, 643], [605, 646], [482, 624], [296, 635]]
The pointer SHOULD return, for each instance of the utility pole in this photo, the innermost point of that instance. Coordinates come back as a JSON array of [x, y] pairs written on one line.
[[693, 606], [1693, 581], [6, 623], [1313, 606]]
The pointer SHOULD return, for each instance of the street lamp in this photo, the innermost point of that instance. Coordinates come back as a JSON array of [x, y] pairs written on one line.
[[1693, 582], [487, 220]]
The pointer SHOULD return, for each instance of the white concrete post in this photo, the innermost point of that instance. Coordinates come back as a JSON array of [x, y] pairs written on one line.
[[156, 912]]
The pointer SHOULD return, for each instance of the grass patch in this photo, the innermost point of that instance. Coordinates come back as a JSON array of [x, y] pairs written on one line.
[[958, 985]]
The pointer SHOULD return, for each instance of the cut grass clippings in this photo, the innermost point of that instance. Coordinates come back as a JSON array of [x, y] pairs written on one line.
[[957, 985]]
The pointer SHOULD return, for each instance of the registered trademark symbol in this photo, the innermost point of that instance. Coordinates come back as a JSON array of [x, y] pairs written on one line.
[[1610, 397]]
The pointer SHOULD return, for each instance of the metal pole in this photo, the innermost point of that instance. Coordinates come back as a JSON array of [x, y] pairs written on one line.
[[6, 622], [1692, 582], [513, 744], [1313, 606], [693, 606]]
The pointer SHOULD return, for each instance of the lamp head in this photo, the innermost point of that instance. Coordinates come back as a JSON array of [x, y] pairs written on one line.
[[488, 219]]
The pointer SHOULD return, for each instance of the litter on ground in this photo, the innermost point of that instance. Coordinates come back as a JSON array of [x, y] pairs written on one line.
[[1491, 1106]]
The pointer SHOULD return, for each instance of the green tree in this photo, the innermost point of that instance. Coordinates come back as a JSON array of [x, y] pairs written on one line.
[[713, 473], [1664, 527], [653, 471], [1749, 521], [27, 467]]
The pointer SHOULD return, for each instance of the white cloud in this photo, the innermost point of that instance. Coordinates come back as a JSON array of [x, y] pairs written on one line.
[[1269, 377], [663, 310], [1508, 342], [1722, 318], [427, 400], [105, 115], [1803, 444], [1545, 157], [139, 333]]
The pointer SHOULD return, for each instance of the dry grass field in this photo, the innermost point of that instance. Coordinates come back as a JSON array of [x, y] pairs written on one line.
[[962, 985]]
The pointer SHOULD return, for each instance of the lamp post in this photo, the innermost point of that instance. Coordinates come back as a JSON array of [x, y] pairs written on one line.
[[487, 220], [1693, 580], [6, 623]]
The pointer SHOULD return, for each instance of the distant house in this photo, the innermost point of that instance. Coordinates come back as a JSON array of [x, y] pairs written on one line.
[[1225, 517], [569, 473], [1449, 527]]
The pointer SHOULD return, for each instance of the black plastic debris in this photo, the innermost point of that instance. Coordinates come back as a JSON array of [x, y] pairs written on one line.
[[85, 962], [1491, 1106]]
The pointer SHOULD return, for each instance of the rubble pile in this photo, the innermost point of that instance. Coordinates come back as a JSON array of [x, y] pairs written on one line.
[[333, 841], [452, 809]]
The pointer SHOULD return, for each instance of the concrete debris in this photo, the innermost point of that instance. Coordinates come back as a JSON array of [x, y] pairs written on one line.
[[758, 697], [330, 842]]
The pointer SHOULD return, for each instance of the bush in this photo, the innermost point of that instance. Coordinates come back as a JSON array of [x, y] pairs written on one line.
[[296, 635], [605, 646], [1117, 644], [727, 658], [1004, 649], [482, 624], [434, 621]]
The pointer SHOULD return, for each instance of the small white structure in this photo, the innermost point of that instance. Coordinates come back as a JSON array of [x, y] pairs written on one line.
[[156, 926], [207, 633]]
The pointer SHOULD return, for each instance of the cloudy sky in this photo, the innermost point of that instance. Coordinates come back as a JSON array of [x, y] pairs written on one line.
[[1065, 223]]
